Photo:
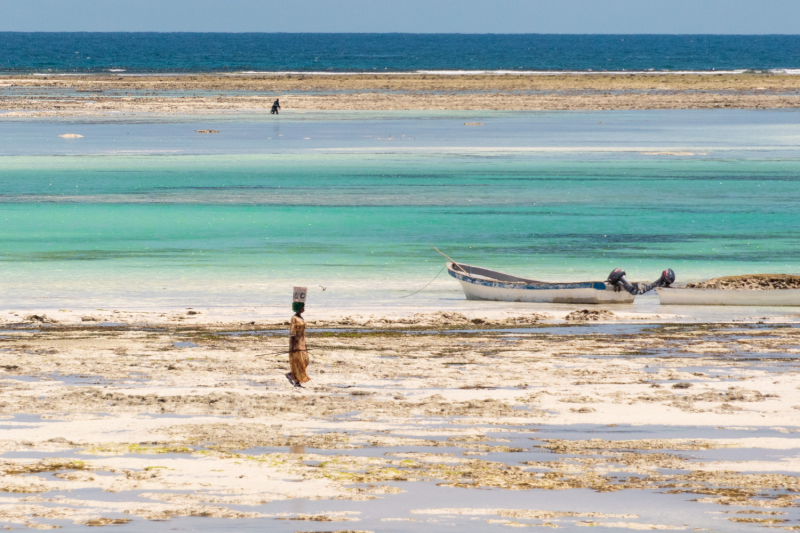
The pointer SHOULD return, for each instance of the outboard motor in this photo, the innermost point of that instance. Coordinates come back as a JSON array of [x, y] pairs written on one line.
[[619, 281]]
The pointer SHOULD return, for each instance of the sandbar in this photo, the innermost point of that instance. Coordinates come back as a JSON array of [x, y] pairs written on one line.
[[76, 95]]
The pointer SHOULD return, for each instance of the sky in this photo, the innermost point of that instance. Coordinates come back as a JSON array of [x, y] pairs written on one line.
[[413, 16]]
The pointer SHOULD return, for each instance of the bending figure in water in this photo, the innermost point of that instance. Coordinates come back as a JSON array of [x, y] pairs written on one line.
[[619, 281]]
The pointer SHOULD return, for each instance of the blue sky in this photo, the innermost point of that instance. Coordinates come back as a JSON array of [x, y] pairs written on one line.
[[416, 16]]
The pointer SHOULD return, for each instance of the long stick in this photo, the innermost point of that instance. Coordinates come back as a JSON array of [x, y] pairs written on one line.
[[451, 260], [279, 353]]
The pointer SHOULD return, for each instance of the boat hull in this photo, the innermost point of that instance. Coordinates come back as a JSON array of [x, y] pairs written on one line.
[[773, 298], [480, 287]]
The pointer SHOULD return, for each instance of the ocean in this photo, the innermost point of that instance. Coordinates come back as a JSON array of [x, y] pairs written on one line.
[[143, 53], [144, 212]]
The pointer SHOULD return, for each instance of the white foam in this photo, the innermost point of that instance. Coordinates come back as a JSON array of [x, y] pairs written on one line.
[[574, 72], [644, 150], [498, 72]]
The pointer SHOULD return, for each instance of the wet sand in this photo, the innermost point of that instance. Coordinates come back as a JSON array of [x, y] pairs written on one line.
[[64, 95], [408, 424]]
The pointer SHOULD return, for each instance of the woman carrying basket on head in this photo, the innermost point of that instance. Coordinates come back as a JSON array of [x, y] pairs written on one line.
[[298, 353]]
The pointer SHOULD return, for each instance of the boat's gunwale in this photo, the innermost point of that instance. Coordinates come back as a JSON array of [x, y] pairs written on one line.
[[520, 285]]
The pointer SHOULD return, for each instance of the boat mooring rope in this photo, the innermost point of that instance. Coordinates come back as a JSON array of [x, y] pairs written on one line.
[[423, 288]]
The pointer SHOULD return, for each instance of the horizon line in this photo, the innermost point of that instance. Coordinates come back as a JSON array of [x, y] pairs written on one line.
[[402, 33]]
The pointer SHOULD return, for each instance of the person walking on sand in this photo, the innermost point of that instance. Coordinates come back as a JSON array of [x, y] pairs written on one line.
[[276, 105], [298, 354]]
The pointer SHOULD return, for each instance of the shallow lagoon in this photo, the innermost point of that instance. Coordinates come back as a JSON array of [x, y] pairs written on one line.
[[144, 212]]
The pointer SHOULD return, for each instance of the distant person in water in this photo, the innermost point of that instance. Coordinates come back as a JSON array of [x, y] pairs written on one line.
[[298, 354], [276, 105]]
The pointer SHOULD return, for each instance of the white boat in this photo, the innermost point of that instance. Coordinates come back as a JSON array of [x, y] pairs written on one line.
[[483, 284], [768, 298]]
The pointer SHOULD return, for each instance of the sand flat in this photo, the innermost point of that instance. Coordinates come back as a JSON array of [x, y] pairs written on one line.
[[56, 95], [190, 420]]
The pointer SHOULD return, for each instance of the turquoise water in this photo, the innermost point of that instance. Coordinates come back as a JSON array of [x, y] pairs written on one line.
[[233, 220]]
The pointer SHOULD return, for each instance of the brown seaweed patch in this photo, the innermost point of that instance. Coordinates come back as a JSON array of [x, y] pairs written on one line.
[[243, 436], [590, 315], [757, 520], [143, 448], [12, 468], [582, 446], [226, 403], [578, 399], [106, 521], [649, 461], [733, 394], [41, 319], [750, 282], [74, 476], [731, 488], [208, 511]]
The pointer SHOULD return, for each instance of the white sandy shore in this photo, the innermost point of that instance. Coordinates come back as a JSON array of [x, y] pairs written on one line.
[[496, 314]]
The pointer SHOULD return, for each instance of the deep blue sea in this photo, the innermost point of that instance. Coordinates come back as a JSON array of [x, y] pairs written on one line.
[[231, 52]]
